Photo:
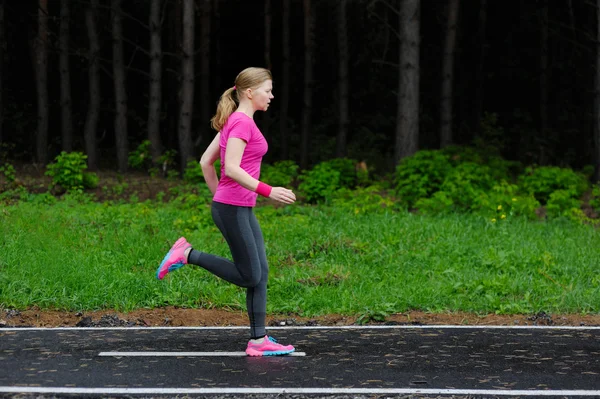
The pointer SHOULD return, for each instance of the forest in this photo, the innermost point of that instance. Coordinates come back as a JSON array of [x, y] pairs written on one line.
[[371, 80]]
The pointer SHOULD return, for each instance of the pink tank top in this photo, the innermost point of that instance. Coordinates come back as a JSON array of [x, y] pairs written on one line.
[[241, 126]]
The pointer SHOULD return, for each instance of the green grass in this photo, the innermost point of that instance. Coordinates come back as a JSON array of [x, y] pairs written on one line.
[[74, 256]]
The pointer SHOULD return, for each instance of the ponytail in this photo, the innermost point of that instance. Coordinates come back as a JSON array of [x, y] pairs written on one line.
[[226, 106], [249, 78]]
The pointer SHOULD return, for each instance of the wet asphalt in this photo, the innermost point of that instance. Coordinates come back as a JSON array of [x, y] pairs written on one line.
[[423, 358]]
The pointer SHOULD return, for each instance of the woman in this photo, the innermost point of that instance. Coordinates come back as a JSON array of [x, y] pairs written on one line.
[[240, 145]]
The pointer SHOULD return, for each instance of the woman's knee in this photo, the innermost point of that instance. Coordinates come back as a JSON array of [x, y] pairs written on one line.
[[252, 279]]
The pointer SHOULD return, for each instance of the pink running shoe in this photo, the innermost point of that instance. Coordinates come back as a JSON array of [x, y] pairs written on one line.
[[174, 259], [269, 347]]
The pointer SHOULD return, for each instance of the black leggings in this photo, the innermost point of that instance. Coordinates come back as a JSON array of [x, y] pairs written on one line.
[[249, 268]]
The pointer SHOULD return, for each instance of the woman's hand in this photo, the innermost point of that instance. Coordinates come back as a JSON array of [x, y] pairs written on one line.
[[283, 195]]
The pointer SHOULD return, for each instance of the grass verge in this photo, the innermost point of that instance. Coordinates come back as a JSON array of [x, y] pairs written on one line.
[[88, 256]]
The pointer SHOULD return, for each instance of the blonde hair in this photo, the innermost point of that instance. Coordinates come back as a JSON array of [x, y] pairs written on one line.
[[249, 78]]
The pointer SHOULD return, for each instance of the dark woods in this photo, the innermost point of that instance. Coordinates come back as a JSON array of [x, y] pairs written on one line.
[[373, 80]]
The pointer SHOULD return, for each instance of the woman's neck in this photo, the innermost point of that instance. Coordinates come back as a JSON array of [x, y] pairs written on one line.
[[246, 109]]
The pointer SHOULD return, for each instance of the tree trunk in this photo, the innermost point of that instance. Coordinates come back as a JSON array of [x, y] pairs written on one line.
[[342, 39], [65, 78], [187, 84], [285, 81], [407, 127], [479, 72], [121, 134], [205, 108], [597, 97], [2, 44], [266, 117], [41, 71], [216, 28], [544, 86], [93, 109], [173, 80], [308, 82], [446, 136], [155, 100]]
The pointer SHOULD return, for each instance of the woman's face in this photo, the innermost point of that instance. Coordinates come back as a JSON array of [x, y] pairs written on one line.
[[262, 96]]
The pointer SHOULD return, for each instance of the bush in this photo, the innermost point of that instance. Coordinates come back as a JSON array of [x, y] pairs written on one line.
[[280, 174], [500, 168], [420, 175], [193, 173], [440, 202], [561, 203], [505, 199], [9, 172], [141, 158], [465, 183], [363, 200], [543, 181], [69, 173], [318, 184], [347, 169], [595, 198]]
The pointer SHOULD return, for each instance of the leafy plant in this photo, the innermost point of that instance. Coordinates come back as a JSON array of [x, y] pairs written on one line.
[[68, 172], [9, 172], [506, 199], [363, 200], [280, 174], [193, 173], [465, 183], [595, 197], [561, 202], [543, 181], [440, 202], [420, 175], [319, 183], [347, 169], [141, 158]]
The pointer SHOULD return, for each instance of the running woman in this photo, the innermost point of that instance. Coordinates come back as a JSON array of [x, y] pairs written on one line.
[[240, 145]]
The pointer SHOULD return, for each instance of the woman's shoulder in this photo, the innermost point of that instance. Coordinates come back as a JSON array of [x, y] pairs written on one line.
[[239, 125], [238, 119]]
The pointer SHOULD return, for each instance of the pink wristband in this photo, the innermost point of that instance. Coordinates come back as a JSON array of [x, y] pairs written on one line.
[[263, 189]]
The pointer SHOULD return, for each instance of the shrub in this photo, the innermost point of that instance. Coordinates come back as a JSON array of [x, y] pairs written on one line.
[[320, 183], [439, 202], [500, 168], [69, 173], [9, 172], [420, 175], [465, 183], [141, 158], [595, 197], [562, 202], [347, 169], [193, 173], [543, 181], [363, 200], [280, 174], [505, 199]]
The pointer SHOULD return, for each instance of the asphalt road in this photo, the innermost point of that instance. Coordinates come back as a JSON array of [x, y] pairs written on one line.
[[341, 362]]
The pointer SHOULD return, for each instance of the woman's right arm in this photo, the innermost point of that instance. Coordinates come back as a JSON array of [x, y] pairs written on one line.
[[207, 162]]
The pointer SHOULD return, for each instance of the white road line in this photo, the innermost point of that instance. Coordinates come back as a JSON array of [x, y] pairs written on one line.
[[400, 327], [180, 354], [329, 391]]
